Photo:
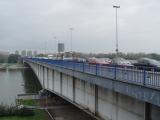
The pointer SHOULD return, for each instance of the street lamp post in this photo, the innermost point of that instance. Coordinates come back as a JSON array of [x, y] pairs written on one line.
[[45, 47], [117, 50], [55, 38], [56, 46], [71, 30]]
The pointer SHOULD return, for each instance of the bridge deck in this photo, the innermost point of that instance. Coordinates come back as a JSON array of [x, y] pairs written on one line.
[[126, 74], [139, 84]]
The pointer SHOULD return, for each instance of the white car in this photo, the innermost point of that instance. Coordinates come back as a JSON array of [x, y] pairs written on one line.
[[121, 62]]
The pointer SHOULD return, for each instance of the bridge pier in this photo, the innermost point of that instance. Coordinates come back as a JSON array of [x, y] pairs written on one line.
[[67, 87], [101, 102], [57, 82], [50, 79]]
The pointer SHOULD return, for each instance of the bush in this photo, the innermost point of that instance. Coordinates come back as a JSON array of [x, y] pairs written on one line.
[[5, 110], [14, 111], [24, 112]]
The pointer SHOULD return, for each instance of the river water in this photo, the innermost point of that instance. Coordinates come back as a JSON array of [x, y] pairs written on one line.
[[13, 82]]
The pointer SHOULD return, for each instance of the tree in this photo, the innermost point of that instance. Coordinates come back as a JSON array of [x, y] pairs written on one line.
[[13, 58]]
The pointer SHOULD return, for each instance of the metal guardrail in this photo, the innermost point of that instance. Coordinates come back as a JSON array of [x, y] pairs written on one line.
[[127, 74]]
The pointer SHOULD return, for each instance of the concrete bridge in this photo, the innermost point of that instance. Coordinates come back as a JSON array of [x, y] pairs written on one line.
[[106, 92]]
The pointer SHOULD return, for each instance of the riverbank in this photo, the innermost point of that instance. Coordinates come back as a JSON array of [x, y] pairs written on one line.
[[39, 115], [11, 66]]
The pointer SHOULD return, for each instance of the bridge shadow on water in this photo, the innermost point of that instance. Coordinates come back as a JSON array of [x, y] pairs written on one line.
[[31, 83]]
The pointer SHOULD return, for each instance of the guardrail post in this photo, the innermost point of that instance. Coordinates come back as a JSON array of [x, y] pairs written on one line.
[[96, 69], [115, 72], [144, 77], [74, 65], [83, 67]]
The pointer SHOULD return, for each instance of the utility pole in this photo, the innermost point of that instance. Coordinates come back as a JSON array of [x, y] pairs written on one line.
[[117, 49]]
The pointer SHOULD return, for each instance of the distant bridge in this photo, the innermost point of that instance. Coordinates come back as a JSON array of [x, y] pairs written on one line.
[[107, 92]]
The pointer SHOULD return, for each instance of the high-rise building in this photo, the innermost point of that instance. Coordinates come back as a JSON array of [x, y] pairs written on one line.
[[17, 52], [60, 47], [23, 53], [29, 53], [35, 53]]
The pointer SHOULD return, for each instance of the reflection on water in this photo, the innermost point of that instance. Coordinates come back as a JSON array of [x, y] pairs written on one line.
[[31, 83], [13, 82]]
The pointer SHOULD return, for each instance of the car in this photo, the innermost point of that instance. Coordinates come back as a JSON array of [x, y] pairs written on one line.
[[121, 62], [79, 60], [99, 61], [148, 64], [92, 60], [103, 61]]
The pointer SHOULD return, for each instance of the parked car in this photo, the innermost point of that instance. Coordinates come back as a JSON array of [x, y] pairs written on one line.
[[100, 61], [92, 60], [121, 62], [148, 64], [79, 60], [103, 61]]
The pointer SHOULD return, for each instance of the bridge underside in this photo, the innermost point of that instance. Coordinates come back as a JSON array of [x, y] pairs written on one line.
[[97, 100]]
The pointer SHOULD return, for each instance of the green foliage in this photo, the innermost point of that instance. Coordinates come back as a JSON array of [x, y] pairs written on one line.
[[13, 111], [24, 112], [28, 102], [7, 110], [155, 56], [39, 115], [3, 58], [13, 58]]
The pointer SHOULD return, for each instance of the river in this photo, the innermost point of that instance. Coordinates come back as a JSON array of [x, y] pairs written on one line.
[[13, 82]]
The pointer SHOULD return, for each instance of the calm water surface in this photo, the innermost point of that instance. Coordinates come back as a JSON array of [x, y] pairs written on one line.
[[13, 82]]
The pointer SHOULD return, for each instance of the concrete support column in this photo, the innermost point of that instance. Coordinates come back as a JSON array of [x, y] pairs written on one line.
[[53, 79], [36, 68], [38, 71], [47, 78], [147, 111], [96, 99], [43, 69], [73, 89], [61, 83], [117, 105]]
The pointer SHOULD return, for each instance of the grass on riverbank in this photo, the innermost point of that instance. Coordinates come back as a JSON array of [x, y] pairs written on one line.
[[39, 115], [28, 102]]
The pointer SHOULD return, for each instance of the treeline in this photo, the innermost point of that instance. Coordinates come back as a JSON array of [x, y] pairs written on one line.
[[12, 58], [131, 56], [6, 111]]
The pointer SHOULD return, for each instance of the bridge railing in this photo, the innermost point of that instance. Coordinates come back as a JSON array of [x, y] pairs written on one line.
[[127, 74]]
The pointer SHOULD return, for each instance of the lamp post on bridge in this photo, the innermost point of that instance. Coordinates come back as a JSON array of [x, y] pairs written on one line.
[[71, 30], [45, 47], [117, 50], [56, 46]]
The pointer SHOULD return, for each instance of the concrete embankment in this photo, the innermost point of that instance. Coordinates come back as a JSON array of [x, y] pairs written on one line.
[[11, 66]]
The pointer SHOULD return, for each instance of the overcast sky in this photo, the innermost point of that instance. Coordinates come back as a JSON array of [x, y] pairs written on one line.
[[27, 24]]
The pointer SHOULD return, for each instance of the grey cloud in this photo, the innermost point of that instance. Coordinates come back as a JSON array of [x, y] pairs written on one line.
[[28, 24]]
